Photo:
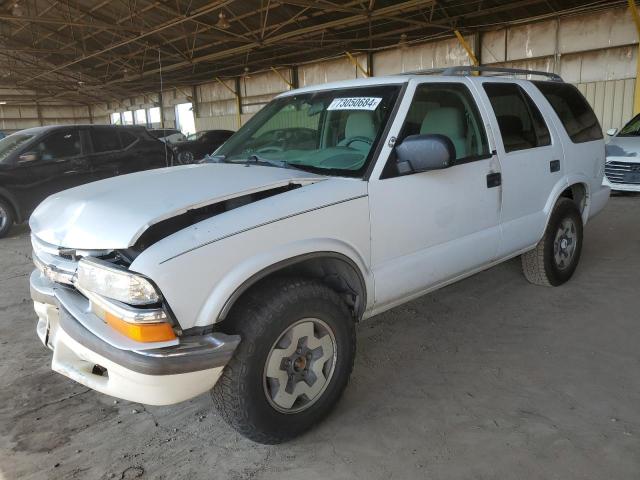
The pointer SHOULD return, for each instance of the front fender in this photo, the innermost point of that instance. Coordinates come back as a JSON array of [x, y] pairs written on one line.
[[198, 282], [253, 268]]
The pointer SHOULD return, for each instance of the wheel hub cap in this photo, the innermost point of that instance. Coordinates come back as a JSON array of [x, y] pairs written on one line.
[[564, 245], [300, 365]]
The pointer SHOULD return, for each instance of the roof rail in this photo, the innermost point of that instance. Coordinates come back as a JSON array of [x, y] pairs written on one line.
[[468, 69]]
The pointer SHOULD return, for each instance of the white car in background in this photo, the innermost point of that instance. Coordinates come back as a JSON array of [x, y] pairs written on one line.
[[168, 135], [247, 274], [622, 168]]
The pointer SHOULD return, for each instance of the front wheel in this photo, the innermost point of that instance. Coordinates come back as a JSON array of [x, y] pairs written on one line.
[[556, 256], [293, 363]]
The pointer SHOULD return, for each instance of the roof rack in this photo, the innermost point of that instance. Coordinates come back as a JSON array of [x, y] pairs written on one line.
[[468, 69]]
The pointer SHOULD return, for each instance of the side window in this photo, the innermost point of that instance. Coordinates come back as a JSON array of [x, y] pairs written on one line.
[[521, 123], [60, 144], [573, 110], [105, 139], [127, 138], [450, 110]]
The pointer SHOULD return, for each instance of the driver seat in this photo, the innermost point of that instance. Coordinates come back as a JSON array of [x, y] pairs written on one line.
[[359, 124]]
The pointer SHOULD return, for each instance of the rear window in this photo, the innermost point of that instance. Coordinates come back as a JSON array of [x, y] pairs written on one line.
[[573, 110], [521, 123], [104, 139]]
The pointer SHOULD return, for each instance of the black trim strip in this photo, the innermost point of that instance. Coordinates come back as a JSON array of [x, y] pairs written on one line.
[[262, 225]]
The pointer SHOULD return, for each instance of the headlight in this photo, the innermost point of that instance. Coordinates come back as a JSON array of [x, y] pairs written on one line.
[[109, 281]]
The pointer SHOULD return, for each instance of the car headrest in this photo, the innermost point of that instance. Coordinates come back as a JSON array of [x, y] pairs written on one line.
[[360, 124], [447, 121]]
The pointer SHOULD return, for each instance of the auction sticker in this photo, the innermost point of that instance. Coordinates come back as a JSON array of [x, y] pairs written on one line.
[[355, 103]]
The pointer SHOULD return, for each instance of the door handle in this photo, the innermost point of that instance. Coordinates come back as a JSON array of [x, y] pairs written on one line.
[[494, 180], [554, 166]]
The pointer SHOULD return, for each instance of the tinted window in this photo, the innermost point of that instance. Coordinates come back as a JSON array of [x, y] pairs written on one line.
[[60, 144], [12, 142], [450, 110], [127, 138], [631, 129], [521, 123], [105, 139], [575, 113]]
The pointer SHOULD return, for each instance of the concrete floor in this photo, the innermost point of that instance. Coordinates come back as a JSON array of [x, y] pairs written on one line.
[[491, 378]]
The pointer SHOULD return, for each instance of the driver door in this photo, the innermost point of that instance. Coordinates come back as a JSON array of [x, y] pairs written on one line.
[[429, 228]]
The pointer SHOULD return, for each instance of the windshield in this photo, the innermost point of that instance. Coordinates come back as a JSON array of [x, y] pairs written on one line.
[[631, 129], [12, 142], [330, 132]]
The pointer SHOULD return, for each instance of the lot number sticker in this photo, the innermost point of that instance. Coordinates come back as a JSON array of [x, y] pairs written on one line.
[[355, 103]]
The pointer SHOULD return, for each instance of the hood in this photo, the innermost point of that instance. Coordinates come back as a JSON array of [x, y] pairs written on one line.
[[626, 149], [113, 213]]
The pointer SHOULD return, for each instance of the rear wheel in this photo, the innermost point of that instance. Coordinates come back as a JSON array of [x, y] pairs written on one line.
[[6, 217], [556, 257], [293, 363]]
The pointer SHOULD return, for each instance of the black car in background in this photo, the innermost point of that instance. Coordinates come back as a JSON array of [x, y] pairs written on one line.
[[205, 143], [37, 162]]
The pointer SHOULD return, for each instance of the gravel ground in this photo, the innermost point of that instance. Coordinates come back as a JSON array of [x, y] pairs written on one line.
[[490, 378]]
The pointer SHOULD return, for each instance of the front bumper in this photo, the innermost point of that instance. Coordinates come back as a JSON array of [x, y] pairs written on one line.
[[153, 376], [620, 187]]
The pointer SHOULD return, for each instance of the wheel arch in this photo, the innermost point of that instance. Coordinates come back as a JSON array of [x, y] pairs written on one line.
[[577, 189], [335, 269]]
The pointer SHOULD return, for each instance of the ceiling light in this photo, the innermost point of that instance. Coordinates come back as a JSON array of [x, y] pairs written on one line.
[[3, 102], [222, 23]]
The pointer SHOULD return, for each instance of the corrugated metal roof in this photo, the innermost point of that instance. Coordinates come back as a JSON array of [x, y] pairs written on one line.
[[90, 51]]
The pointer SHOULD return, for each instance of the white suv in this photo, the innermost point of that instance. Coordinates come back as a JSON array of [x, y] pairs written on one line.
[[246, 274]]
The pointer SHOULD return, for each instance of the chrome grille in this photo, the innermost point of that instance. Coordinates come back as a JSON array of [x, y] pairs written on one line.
[[616, 172]]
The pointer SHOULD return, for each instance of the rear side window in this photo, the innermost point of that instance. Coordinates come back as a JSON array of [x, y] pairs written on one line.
[[60, 144], [105, 139], [521, 123], [573, 110]]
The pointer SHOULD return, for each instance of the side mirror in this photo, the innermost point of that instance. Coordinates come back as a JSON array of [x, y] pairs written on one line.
[[421, 153], [28, 157], [612, 131]]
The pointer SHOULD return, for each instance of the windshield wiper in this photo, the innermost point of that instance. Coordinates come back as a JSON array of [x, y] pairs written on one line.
[[214, 159], [254, 159]]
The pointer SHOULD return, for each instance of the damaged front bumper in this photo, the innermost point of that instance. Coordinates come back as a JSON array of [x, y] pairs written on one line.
[[86, 350]]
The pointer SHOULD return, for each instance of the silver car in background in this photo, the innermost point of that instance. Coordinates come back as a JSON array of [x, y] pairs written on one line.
[[622, 167]]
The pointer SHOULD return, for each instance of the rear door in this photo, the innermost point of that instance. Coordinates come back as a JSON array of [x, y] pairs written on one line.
[[532, 160], [106, 148]]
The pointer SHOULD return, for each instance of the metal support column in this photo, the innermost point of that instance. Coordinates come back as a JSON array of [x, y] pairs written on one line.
[[636, 17]]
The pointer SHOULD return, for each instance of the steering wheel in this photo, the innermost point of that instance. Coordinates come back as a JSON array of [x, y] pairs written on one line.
[[366, 140]]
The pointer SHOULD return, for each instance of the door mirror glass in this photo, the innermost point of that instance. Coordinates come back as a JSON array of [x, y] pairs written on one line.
[[612, 131], [421, 153], [28, 157]]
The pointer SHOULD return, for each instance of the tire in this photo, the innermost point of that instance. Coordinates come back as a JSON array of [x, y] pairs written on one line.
[[184, 158], [267, 317], [555, 258], [6, 217]]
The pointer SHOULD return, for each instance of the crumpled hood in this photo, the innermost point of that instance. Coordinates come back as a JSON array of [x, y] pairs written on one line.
[[113, 213], [626, 149]]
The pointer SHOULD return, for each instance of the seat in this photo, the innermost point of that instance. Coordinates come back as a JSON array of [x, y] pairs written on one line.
[[512, 131], [359, 126], [447, 121]]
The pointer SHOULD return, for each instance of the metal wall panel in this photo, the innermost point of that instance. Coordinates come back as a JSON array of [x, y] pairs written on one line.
[[612, 101], [531, 41], [330, 71], [445, 53]]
